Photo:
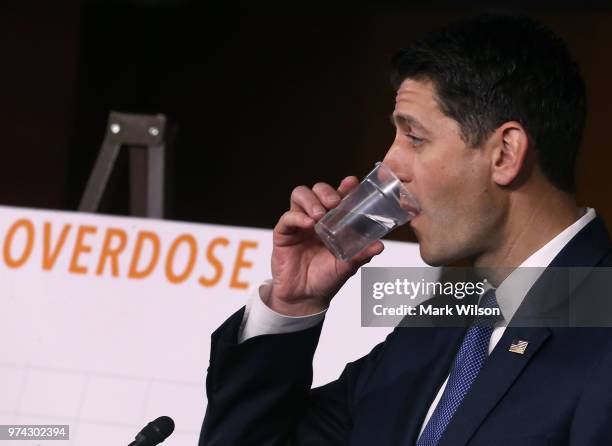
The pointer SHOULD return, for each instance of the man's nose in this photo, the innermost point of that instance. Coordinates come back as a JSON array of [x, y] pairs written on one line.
[[399, 162]]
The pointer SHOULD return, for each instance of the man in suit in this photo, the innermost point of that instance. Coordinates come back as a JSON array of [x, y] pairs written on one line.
[[489, 114]]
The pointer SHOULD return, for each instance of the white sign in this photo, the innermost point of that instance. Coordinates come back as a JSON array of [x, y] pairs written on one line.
[[105, 322]]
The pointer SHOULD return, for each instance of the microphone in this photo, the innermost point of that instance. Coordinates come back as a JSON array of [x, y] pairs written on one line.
[[155, 432]]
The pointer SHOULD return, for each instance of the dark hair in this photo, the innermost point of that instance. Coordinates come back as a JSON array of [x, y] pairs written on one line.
[[492, 69]]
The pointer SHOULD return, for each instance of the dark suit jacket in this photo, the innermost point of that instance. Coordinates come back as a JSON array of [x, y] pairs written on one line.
[[559, 392]]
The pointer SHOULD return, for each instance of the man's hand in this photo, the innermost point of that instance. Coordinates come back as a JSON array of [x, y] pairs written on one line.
[[305, 274]]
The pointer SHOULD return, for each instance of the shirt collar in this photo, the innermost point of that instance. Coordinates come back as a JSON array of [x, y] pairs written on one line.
[[514, 288]]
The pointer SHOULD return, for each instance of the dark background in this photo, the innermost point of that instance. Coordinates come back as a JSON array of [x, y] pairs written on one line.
[[264, 99]]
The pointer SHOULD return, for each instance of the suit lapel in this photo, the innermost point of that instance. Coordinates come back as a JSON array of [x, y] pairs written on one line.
[[437, 350], [497, 375], [503, 367]]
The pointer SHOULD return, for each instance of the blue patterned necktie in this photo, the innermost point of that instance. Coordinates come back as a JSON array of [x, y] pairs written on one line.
[[469, 360]]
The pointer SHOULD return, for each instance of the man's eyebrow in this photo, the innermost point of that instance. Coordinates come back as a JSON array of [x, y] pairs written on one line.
[[401, 120]]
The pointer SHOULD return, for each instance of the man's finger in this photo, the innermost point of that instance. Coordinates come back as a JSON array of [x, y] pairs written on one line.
[[304, 199], [292, 220], [347, 185], [327, 195]]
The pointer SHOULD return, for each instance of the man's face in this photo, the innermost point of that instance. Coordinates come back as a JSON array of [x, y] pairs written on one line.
[[461, 209]]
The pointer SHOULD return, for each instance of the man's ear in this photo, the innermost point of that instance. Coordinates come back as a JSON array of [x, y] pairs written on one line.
[[509, 154]]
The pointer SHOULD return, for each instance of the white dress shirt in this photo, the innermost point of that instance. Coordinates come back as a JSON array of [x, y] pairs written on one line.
[[260, 319]]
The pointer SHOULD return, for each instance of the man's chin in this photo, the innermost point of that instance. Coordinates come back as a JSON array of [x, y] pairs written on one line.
[[434, 263], [430, 258], [435, 258]]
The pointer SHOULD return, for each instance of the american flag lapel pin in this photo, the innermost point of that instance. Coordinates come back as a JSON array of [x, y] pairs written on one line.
[[518, 346]]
